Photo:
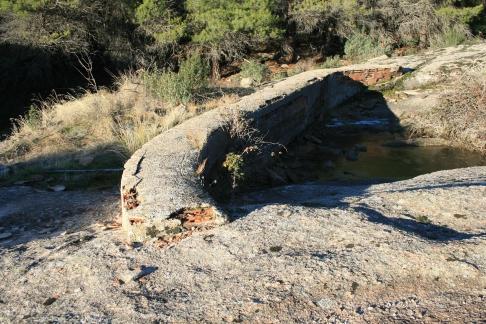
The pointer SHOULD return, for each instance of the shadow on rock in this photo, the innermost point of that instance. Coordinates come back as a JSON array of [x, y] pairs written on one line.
[[28, 214], [326, 195], [411, 226]]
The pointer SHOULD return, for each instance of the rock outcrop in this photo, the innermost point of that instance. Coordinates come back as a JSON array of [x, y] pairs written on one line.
[[165, 175], [409, 251]]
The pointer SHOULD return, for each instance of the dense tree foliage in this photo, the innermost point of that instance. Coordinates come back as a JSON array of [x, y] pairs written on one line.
[[162, 31], [162, 20], [226, 29]]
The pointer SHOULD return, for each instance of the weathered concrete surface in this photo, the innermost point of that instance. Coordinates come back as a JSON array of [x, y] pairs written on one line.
[[160, 179], [304, 253], [436, 66]]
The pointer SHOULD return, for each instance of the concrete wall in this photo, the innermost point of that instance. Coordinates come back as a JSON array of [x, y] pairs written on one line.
[[166, 174]]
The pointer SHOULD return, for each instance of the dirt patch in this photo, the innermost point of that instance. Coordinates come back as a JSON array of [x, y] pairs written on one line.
[[195, 217], [182, 225], [372, 77]]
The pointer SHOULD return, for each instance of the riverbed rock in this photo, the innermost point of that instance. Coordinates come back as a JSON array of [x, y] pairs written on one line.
[[302, 253]]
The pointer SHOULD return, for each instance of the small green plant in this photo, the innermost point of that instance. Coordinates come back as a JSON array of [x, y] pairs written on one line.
[[182, 86], [258, 72], [234, 164], [360, 47], [423, 219], [194, 72], [331, 62], [33, 117]]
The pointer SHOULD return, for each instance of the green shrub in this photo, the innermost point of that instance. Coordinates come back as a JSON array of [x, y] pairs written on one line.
[[24, 6], [451, 36], [172, 34], [331, 62], [234, 164], [423, 219], [463, 15], [182, 86], [478, 23], [360, 47], [254, 70], [193, 72]]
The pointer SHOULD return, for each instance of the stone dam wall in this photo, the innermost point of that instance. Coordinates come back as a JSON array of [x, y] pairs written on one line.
[[166, 175]]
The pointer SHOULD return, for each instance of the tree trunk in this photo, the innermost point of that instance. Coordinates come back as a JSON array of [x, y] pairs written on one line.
[[215, 67]]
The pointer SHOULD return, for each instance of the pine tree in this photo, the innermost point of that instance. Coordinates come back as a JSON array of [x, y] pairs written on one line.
[[161, 19], [226, 27]]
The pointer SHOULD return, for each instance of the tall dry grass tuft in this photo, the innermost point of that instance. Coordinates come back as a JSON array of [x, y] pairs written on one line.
[[461, 114], [104, 125]]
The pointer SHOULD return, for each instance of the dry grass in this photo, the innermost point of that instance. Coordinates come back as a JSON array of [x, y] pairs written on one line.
[[103, 126], [461, 115]]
